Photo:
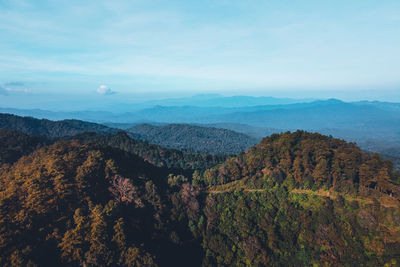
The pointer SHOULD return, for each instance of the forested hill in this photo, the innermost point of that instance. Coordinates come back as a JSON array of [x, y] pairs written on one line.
[[75, 204], [192, 138], [311, 161], [295, 199], [32, 126], [183, 137], [154, 154], [301, 199], [14, 145]]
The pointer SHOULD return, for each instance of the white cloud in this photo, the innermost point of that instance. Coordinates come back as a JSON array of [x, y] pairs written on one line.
[[105, 90]]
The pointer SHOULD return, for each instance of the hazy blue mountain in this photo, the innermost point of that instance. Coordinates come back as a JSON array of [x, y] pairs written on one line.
[[86, 115], [395, 107], [315, 115], [310, 115], [123, 112], [321, 114], [217, 100], [346, 120]]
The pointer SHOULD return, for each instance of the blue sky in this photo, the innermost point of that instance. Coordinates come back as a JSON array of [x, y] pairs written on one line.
[[117, 49]]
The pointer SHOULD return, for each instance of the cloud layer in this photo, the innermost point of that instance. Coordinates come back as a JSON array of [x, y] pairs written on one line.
[[164, 45]]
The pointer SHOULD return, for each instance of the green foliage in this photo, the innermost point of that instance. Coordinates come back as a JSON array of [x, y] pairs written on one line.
[[194, 139], [17, 144], [296, 199], [310, 161], [177, 180], [154, 154], [57, 207], [266, 229]]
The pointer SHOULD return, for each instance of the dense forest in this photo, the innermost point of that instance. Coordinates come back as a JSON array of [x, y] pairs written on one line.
[[183, 137], [154, 154], [108, 200], [311, 160], [15, 144], [23, 134], [302, 199], [190, 138], [82, 205]]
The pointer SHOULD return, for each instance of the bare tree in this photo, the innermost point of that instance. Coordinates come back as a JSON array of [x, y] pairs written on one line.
[[122, 189], [189, 198]]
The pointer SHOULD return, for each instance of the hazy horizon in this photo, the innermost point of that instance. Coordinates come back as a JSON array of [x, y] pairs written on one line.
[[74, 102]]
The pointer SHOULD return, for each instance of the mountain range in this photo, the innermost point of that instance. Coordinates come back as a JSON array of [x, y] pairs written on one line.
[[373, 136], [104, 199]]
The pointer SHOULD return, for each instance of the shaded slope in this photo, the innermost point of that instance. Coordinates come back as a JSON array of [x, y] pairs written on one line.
[[154, 154], [192, 138], [94, 133], [14, 145]]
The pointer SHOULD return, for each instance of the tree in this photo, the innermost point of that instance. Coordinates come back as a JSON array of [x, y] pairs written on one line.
[[98, 253], [122, 189]]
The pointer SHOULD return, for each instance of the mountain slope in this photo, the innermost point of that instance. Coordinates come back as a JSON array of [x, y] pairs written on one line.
[[295, 199], [301, 199], [14, 145], [310, 160], [72, 204], [32, 126], [194, 138], [253, 131], [154, 154]]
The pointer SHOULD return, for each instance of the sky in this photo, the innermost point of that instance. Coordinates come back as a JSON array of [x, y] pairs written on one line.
[[134, 50]]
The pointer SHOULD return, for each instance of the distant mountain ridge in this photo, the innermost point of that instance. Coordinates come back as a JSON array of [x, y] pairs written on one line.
[[125, 112], [32, 126], [217, 100], [330, 113]]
